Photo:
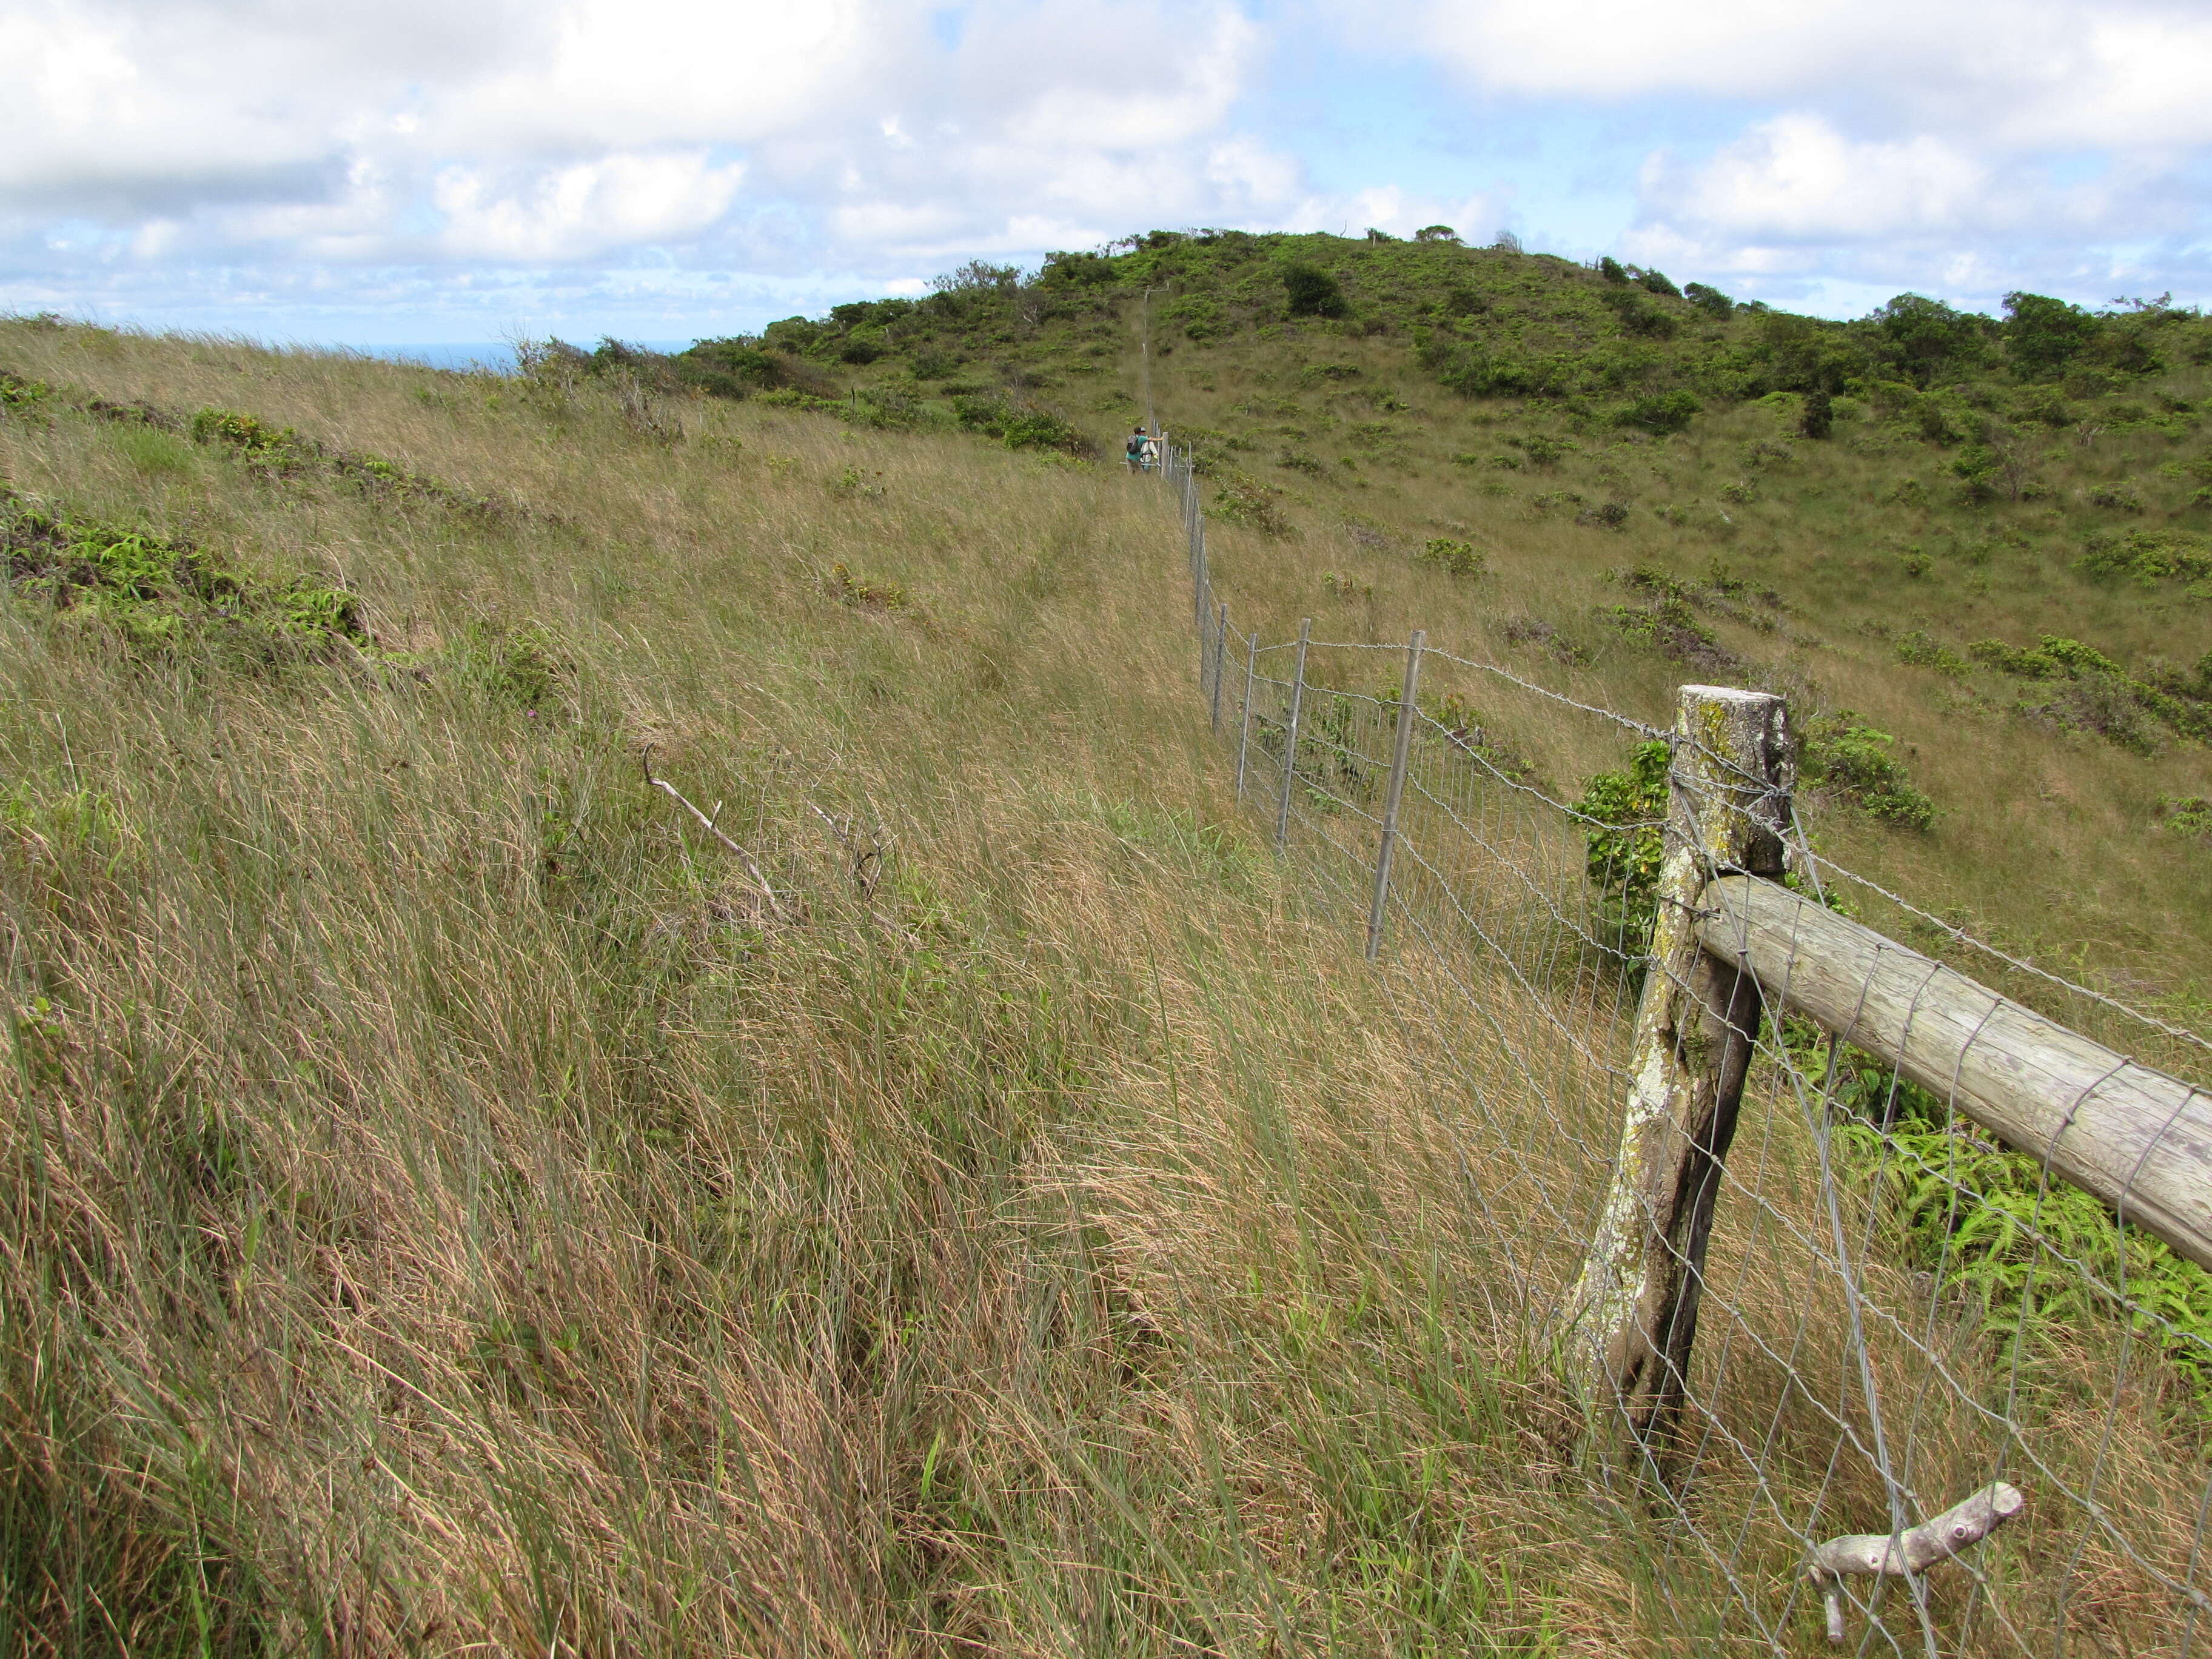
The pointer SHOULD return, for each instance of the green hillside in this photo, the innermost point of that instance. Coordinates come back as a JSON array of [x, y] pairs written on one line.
[[1988, 540]]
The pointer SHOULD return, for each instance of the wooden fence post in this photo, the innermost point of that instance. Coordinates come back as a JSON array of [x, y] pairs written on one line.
[[1634, 1313], [1291, 736]]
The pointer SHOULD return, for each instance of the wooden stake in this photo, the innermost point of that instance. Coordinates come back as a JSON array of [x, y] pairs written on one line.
[[1635, 1310]]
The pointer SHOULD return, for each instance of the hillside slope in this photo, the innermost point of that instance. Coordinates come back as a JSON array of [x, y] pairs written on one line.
[[1999, 554], [961, 1200]]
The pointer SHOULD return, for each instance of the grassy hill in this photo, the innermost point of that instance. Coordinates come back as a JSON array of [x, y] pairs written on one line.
[[1988, 540], [456, 1202]]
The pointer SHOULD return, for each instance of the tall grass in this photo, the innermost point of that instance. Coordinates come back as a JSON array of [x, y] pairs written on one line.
[[451, 1210]]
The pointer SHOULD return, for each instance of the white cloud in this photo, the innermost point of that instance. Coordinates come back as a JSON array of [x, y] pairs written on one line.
[[1796, 178], [562, 147], [552, 214], [2019, 72], [583, 130]]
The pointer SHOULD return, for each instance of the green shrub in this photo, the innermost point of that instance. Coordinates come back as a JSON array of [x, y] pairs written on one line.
[[1623, 839], [1660, 412], [1921, 339], [1472, 371], [1710, 300], [1019, 426], [2146, 556], [1853, 763], [1312, 292], [1818, 419], [247, 434], [886, 599], [1240, 498], [1922, 651], [1638, 316], [517, 668], [2100, 695], [17, 393], [1976, 469], [1076, 270], [2187, 815], [862, 345], [158, 595], [1455, 558], [1993, 1248], [1541, 450]]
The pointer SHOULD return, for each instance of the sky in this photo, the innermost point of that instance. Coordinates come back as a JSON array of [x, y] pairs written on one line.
[[468, 170]]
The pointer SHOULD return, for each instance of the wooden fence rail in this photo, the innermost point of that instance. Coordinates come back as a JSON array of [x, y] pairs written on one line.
[[2137, 1138]]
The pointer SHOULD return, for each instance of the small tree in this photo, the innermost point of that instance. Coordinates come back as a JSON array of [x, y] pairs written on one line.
[[1819, 420], [1312, 292], [1709, 299], [1436, 233], [978, 276], [1922, 336], [2043, 335]]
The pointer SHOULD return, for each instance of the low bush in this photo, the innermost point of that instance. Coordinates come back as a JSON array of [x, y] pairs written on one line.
[[1454, 558], [162, 595], [1922, 651], [1660, 412], [1020, 426], [2147, 557], [1624, 838], [1852, 763], [1309, 291], [1240, 498]]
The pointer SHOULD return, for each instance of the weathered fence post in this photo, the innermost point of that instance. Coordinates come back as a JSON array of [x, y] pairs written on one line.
[[1244, 721], [1291, 736], [1408, 713], [1220, 651], [1635, 1310]]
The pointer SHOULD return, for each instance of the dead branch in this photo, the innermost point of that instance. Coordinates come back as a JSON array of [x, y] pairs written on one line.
[[1957, 1529], [775, 904]]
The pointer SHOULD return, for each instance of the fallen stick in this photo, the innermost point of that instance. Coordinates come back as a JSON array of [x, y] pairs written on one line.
[[774, 905], [1958, 1529]]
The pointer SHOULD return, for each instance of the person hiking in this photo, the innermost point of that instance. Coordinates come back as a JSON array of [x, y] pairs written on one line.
[[1149, 457], [1134, 451]]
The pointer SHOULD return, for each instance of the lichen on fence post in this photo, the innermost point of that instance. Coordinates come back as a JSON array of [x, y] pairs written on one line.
[[1634, 1312]]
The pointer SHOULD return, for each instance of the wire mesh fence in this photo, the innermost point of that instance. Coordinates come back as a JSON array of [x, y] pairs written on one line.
[[1897, 1309]]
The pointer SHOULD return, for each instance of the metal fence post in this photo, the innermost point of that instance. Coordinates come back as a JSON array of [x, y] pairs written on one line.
[[1220, 647], [1199, 586], [1291, 736], [1244, 724], [1408, 713], [1635, 1310]]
